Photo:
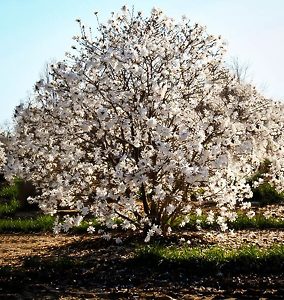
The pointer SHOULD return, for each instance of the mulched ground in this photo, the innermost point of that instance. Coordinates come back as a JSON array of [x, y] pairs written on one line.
[[108, 271]]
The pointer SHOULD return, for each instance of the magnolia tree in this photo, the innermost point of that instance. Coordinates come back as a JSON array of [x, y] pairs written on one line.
[[144, 124]]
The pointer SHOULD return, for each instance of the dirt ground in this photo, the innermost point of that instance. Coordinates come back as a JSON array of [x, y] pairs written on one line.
[[110, 273]]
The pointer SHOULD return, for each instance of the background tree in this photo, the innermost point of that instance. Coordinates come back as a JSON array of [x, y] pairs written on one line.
[[240, 70], [146, 124]]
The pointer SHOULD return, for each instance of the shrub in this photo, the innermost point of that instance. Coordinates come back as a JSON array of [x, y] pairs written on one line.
[[263, 192], [25, 189], [18, 191], [144, 123], [266, 194]]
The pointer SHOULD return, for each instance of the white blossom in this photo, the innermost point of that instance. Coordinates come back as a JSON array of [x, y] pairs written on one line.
[[2, 156], [145, 124]]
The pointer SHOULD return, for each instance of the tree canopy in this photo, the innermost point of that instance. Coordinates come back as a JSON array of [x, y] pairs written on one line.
[[143, 123]]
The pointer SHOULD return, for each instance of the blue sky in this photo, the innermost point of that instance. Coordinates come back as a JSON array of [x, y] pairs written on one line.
[[34, 32]]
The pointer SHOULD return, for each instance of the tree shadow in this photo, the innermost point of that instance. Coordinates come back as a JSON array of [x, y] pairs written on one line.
[[98, 268]]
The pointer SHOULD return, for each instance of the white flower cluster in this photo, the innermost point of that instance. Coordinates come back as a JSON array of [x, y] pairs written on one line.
[[2, 154], [145, 124]]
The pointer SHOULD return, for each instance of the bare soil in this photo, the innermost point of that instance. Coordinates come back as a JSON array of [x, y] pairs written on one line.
[[106, 270]]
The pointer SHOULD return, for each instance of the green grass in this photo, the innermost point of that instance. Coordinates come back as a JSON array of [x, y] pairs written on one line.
[[42, 223], [257, 222], [82, 228], [199, 260], [12, 190], [242, 222], [10, 194], [9, 191], [214, 259], [9, 208], [27, 225]]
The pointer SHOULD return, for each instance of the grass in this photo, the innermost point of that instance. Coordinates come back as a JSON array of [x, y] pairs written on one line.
[[214, 259], [183, 259], [242, 222], [11, 191], [42, 223], [82, 228], [257, 222], [199, 260], [11, 205], [45, 223], [9, 208]]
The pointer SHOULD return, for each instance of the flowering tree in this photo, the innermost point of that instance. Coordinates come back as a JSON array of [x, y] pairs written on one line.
[[144, 124]]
